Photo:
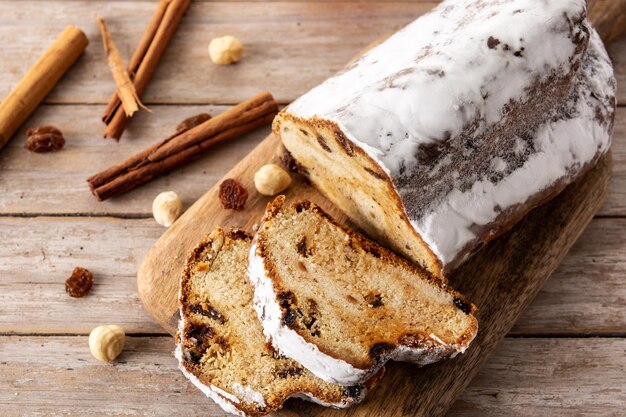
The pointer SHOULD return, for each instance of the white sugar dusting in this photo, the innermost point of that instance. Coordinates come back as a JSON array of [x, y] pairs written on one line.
[[560, 147], [460, 66], [397, 97]]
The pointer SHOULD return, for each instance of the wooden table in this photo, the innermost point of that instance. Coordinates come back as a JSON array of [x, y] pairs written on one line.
[[565, 357]]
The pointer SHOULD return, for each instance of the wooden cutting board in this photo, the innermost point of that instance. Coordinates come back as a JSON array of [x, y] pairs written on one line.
[[502, 279]]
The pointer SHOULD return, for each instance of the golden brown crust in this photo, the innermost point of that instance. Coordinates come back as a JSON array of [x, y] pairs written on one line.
[[380, 348], [434, 264]]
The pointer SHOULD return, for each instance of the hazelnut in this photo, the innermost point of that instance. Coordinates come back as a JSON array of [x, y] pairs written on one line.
[[166, 208], [271, 179], [225, 50], [106, 342]]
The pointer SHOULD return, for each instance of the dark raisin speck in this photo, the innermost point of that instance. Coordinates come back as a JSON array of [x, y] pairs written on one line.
[[198, 332], [301, 247], [323, 143], [379, 349], [285, 373], [492, 42], [289, 318], [374, 300], [354, 391], [462, 305], [207, 310]]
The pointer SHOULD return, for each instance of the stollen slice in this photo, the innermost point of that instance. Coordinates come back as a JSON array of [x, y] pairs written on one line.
[[220, 343], [341, 305]]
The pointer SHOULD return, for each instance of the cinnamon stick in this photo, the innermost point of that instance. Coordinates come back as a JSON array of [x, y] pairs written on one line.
[[125, 88], [140, 52], [172, 13], [181, 148], [39, 80]]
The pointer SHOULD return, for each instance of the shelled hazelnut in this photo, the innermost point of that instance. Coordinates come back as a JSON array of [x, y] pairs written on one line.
[[107, 342], [271, 179], [225, 50], [166, 208]]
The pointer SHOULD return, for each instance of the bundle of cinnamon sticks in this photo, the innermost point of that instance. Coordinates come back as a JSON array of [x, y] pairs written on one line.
[[144, 61], [182, 147]]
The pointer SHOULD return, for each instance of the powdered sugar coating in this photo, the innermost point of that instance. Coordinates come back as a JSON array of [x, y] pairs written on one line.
[[561, 146], [436, 103], [429, 80]]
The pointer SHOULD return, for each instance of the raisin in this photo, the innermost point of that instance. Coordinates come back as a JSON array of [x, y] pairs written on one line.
[[207, 310], [379, 349], [344, 142], [492, 42], [79, 283], [287, 298], [199, 332], [323, 143], [289, 318], [374, 300], [462, 305], [222, 343], [192, 122], [301, 247], [232, 194], [354, 391], [375, 174], [288, 161], [285, 373], [44, 139]]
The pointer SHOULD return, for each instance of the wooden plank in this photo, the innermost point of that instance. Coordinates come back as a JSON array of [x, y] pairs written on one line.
[[32, 183], [322, 37], [37, 255], [58, 376], [585, 294], [56, 183], [549, 377], [288, 48]]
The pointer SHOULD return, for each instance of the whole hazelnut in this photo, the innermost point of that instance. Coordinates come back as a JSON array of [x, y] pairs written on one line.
[[106, 342], [166, 208], [271, 179], [225, 50]]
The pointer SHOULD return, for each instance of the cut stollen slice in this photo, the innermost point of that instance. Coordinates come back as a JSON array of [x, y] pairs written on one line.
[[220, 343], [341, 305]]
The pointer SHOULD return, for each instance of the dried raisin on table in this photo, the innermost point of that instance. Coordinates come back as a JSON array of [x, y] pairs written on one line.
[[44, 139], [79, 284], [232, 194]]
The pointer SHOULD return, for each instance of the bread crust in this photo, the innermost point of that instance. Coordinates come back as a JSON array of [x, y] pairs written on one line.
[[381, 350], [320, 392], [432, 263]]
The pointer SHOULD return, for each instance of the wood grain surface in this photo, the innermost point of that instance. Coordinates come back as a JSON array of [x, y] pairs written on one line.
[[113, 249], [49, 222], [289, 46], [85, 154], [63, 380]]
